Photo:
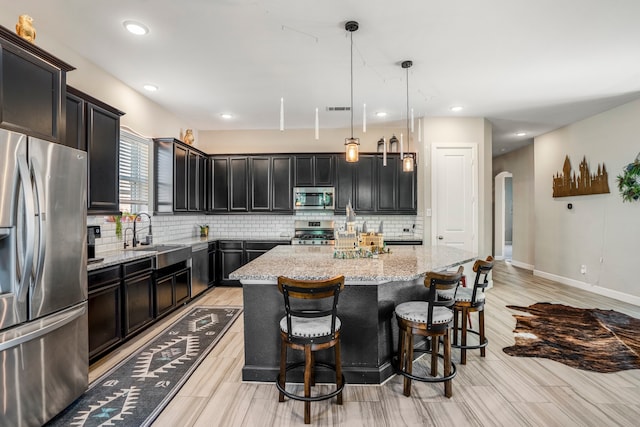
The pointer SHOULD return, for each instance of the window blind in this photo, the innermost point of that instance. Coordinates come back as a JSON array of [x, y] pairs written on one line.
[[134, 171]]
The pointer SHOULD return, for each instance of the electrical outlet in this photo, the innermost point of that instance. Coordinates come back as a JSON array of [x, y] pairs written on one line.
[[583, 269], [405, 230]]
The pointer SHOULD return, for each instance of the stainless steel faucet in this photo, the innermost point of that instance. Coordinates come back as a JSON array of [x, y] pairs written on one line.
[[125, 237], [135, 235]]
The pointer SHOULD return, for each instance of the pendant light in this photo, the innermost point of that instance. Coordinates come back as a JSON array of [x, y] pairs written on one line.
[[351, 144], [408, 159]]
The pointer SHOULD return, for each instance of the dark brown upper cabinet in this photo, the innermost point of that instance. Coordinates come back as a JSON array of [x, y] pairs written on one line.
[[314, 170], [32, 89]]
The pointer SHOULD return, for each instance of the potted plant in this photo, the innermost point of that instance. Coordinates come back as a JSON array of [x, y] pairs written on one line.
[[204, 230]]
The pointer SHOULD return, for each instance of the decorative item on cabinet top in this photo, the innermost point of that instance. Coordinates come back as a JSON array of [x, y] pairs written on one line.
[[188, 137], [585, 183], [25, 29]]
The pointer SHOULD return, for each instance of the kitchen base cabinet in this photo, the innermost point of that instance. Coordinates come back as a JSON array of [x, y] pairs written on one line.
[[172, 285], [105, 310], [138, 294], [212, 264], [231, 257]]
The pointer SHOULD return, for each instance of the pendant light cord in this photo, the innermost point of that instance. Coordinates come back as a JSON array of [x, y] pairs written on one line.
[[351, 108], [408, 136]]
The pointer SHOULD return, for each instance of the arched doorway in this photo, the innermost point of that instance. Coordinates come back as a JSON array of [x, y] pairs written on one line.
[[503, 229]]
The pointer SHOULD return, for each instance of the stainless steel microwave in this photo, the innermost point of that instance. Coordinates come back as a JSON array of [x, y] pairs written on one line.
[[314, 198]]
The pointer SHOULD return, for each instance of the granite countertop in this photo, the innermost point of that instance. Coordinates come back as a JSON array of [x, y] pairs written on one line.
[[404, 263]]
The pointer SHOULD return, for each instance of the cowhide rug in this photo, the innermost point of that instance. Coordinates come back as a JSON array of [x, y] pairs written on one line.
[[589, 339]]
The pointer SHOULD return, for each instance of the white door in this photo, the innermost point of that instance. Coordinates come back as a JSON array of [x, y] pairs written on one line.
[[454, 190]]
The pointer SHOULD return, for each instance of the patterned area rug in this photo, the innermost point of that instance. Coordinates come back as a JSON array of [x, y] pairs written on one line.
[[134, 392], [589, 339]]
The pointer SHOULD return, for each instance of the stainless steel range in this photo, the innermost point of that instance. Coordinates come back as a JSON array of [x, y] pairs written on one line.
[[313, 233]]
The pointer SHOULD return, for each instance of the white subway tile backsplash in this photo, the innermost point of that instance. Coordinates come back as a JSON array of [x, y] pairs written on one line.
[[176, 227]]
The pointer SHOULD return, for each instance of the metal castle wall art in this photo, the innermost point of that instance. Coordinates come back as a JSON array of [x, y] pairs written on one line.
[[568, 184]]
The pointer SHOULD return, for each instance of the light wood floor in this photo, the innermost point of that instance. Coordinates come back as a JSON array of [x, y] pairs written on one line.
[[496, 390]]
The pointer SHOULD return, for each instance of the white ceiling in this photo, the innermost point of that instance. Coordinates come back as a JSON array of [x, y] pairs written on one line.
[[529, 66]]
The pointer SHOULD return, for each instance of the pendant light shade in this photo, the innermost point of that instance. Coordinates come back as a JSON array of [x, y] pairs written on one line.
[[352, 144], [408, 159]]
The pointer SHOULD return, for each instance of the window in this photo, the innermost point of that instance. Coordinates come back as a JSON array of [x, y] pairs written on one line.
[[134, 172]]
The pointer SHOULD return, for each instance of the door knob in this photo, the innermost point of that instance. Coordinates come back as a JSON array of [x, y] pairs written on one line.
[[440, 237]]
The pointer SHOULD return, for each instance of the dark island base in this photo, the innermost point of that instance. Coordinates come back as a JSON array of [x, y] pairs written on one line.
[[369, 332]]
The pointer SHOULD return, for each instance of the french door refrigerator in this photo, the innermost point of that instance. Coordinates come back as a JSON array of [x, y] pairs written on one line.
[[43, 279]]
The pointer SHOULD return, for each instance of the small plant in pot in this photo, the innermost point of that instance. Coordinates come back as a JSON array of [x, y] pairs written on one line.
[[204, 230]]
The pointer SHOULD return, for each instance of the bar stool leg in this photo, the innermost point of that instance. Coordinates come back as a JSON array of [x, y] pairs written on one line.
[[435, 348], [481, 327], [456, 313], [283, 368], [463, 350], [307, 382], [408, 342], [338, 371], [447, 364], [313, 369]]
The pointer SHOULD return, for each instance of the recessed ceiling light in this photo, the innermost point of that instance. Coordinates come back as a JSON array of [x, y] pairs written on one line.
[[226, 116], [150, 87], [135, 28], [456, 108], [521, 134], [381, 114]]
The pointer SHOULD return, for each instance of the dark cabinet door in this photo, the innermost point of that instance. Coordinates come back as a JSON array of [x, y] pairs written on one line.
[[182, 285], [138, 297], [105, 329], [165, 297], [304, 170], [282, 190], [103, 140], [212, 264], [231, 257], [75, 136], [314, 170], [202, 183], [387, 187], [365, 184], [219, 184], [260, 183], [181, 180], [407, 192], [31, 93], [345, 184], [239, 185], [324, 170], [193, 176]]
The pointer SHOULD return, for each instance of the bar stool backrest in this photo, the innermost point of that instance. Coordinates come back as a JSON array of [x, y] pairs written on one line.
[[323, 291], [482, 268], [444, 281]]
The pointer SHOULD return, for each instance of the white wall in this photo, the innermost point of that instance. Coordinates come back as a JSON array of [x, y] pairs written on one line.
[[600, 231], [521, 164]]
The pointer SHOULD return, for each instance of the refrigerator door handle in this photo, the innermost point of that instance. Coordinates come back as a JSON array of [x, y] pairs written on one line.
[[41, 217], [25, 180], [58, 322]]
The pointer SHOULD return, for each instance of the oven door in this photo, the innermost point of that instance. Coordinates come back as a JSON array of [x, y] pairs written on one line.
[[313, 198]]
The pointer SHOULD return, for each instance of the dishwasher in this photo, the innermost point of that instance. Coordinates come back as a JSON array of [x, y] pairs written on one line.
[[199, 268]]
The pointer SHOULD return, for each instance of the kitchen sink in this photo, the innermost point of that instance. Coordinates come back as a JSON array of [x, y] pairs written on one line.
[[167, 255]]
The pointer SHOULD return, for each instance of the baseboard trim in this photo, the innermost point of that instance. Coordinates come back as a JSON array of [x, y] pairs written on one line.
[[617, 295], [522, 265]]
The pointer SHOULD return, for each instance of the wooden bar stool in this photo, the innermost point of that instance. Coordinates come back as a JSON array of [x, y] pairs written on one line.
[[431, 318], [310, 324], [467, 301]]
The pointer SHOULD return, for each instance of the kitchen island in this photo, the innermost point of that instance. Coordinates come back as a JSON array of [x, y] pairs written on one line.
[[373, 287]]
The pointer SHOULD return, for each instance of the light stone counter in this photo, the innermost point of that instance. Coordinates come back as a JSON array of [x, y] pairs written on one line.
[[373, 288], [404, 263]]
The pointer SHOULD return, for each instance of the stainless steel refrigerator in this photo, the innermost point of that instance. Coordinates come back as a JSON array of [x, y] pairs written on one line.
[[43, 279]]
